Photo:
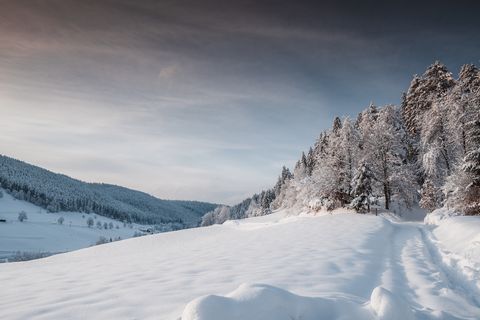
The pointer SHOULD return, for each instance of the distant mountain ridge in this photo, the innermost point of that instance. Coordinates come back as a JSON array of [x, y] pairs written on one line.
[[57, 192]]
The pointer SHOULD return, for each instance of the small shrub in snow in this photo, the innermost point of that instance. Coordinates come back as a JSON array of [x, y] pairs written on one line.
[[102, 240], [315, 204], [99, 225], [22, 216], [90, 222], [105, 225], [110, 225], [60, 220]]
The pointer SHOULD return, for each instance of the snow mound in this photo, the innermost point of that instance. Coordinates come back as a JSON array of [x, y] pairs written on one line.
[[387, 306], [438, 216], [264, 302]]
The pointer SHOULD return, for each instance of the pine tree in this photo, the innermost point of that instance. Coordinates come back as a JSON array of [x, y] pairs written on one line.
[[310, 161], [460, 102], [383, 150], [362, 189], [301, 168], [349, 141], [337, 125], [423, 91], [471, 167], [437, 145], [336, 168], [320, 148], [282, 179], [469, 83]]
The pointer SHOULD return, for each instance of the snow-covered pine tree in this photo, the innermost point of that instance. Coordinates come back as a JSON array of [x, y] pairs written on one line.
[[423, 91], [266, 199], [280, 188], [282, 179], [362, 189], [365, 122], [320, 148], [471, 166], [459, 101], [336, 167], [310, 161], [383, 150], [468, 105], [349, 141], [462, 188], [425, 109], [301, 167], [437, 147], [337, 125]]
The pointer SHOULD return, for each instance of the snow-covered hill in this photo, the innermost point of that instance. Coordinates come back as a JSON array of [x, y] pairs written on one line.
[[334, 266], [42, 233], [56, 192]]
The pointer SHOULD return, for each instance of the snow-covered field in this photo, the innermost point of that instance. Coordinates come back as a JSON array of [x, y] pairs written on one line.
[[340, 266], [41, 232]]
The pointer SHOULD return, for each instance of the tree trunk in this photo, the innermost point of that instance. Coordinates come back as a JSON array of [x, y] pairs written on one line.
[[386, 192]]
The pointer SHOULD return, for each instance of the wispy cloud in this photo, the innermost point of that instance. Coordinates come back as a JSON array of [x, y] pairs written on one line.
[[199, 99]]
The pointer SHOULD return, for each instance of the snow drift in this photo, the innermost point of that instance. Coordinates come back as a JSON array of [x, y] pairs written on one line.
[[458, 241], [264, 302]]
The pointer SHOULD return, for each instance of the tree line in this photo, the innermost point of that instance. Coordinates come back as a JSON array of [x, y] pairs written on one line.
[[423, 152]]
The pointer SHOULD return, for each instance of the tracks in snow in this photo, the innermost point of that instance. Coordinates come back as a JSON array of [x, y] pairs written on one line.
[[414, 271]]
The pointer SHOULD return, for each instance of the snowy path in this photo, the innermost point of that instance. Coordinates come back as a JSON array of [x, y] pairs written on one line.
[[322, 267], [407, 264], [413, 271]]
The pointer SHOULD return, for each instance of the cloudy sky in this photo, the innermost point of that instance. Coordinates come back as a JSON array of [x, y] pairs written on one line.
[[206, 100]]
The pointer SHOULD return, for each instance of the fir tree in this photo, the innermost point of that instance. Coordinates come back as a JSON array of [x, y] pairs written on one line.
[[471, 167], [362, 189], [434, 83]]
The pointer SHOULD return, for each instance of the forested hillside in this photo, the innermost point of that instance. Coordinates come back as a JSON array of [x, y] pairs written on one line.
[[57, 192], [424, 152]]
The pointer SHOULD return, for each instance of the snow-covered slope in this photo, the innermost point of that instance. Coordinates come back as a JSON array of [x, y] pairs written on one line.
[[458, 239], [340, 266], [57, 192], [41, 233]]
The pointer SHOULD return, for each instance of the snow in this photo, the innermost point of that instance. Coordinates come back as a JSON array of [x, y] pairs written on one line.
[[458, 242], [261, 302], [386, 305], [334, 266], [436, 217], [264, 302], [41, 233]]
